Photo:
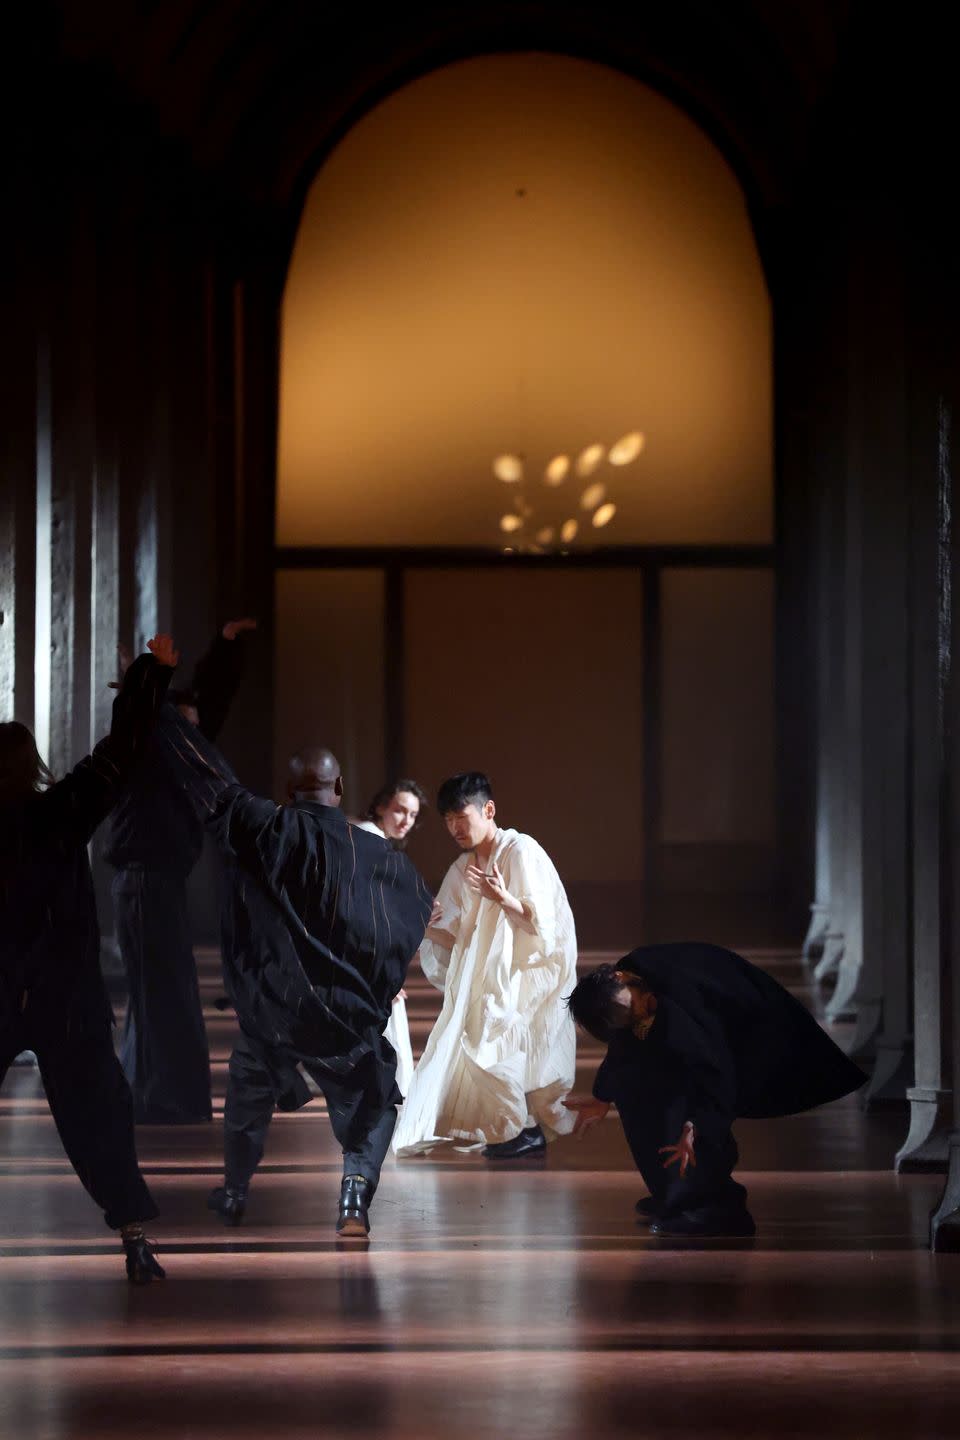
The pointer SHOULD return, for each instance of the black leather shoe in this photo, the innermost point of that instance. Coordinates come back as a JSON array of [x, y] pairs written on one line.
[[229, 1203], [739, 1225], [525, 1145], [142, 1267], [647, 1208], [355, 1196]]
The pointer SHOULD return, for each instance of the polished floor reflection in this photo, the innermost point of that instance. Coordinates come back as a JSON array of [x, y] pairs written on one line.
[[517, 1302]]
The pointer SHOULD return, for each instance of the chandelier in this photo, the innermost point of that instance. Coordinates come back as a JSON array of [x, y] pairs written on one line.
[[555, 503]]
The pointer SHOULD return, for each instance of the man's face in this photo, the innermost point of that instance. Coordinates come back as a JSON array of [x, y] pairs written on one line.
[[190, 712], [471, 826], [399, 815]]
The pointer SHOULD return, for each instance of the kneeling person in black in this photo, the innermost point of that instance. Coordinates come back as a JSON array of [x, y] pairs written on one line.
[[696, 1037]]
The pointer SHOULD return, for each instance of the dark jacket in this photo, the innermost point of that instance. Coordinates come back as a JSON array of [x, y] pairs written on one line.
[[324, 921], [154, 825], [49, 939], [739, 1042]]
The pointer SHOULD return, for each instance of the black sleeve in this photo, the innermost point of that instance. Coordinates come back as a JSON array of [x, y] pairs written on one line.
[[216, 680], [242, 824], [698, 1046], [70, 811], [603, 1083]]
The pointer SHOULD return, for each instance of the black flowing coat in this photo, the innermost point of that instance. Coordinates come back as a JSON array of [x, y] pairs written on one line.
[[154, 825], [738, 1042], [49, 938], [325, 919]]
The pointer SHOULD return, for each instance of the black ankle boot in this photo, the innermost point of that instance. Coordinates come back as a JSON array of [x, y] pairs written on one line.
[[355, 1196], [142, 1267], [229, 1202]]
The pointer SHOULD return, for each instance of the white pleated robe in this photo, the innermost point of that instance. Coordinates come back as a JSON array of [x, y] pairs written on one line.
[[503, 1051]]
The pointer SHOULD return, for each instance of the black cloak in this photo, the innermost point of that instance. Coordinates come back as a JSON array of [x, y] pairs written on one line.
[[49, 938], [153, 824], [746, 1046], [325, 919]]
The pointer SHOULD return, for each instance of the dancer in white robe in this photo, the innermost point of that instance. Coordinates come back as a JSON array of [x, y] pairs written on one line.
[[502, 947], [393, 814]]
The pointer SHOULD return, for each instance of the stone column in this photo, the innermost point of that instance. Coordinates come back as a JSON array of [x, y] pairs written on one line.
[[927, 1143], [873, 974], [945, 1221], [18, 499]]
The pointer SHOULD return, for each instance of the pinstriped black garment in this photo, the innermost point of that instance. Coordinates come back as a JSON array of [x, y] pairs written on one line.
[[324, 920]]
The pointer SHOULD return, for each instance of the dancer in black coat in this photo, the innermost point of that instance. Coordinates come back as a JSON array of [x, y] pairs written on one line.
[[696, 1037], [325, 921], [154, 843], [52, 996]]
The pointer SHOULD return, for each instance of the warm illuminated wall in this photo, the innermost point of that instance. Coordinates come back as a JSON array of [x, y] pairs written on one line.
[[523, 253]]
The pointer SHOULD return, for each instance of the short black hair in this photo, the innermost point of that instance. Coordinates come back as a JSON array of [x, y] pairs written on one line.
[[593, 1003], [470, 788], [386, 793]]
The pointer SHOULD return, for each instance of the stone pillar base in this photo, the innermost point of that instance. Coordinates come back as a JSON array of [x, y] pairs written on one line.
[[945, 1220], [817, 932], [830, 955], [926, 1149], [892, 1073]]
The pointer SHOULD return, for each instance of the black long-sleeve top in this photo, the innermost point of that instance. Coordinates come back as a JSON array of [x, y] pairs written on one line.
[[325, 920], [154, 825], [728, 1035], [49, 939]]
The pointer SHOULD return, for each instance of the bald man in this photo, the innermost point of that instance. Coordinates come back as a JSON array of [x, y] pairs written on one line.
[[324, 921]]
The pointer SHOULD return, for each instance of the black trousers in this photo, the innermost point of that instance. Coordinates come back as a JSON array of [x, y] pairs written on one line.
[[653, 1114], [252, 1096], [163, 1049], [87, 1093]]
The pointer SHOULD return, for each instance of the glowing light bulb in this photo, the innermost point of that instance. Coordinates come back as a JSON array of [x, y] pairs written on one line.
[[508, 468], [568, 531], [604, 515], [509, 523], [589, 459], [627, 448], [557, 470], [592, 496], [545, 536]]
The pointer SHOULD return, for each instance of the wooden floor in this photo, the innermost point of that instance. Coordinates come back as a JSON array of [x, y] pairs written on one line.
[[522, 1302]]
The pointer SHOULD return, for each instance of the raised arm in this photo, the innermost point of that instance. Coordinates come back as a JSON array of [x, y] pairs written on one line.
[[238, 820], [70, 811], [217, 676]]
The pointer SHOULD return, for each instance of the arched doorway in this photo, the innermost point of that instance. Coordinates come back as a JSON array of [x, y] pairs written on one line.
[[525, 477]]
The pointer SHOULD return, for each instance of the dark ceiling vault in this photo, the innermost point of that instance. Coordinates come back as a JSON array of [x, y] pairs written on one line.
[[258, 90]]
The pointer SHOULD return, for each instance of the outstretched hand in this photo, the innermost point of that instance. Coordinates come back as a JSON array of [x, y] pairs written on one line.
[[588, 1111], [233, 628], [162, 649], [682, 1151]]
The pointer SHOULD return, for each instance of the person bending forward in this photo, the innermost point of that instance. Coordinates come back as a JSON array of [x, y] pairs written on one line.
[[502, 947], [696, 1037]]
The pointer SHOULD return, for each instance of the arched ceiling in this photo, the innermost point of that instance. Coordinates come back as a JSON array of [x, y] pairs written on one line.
[[258, 90], [525, 256]]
